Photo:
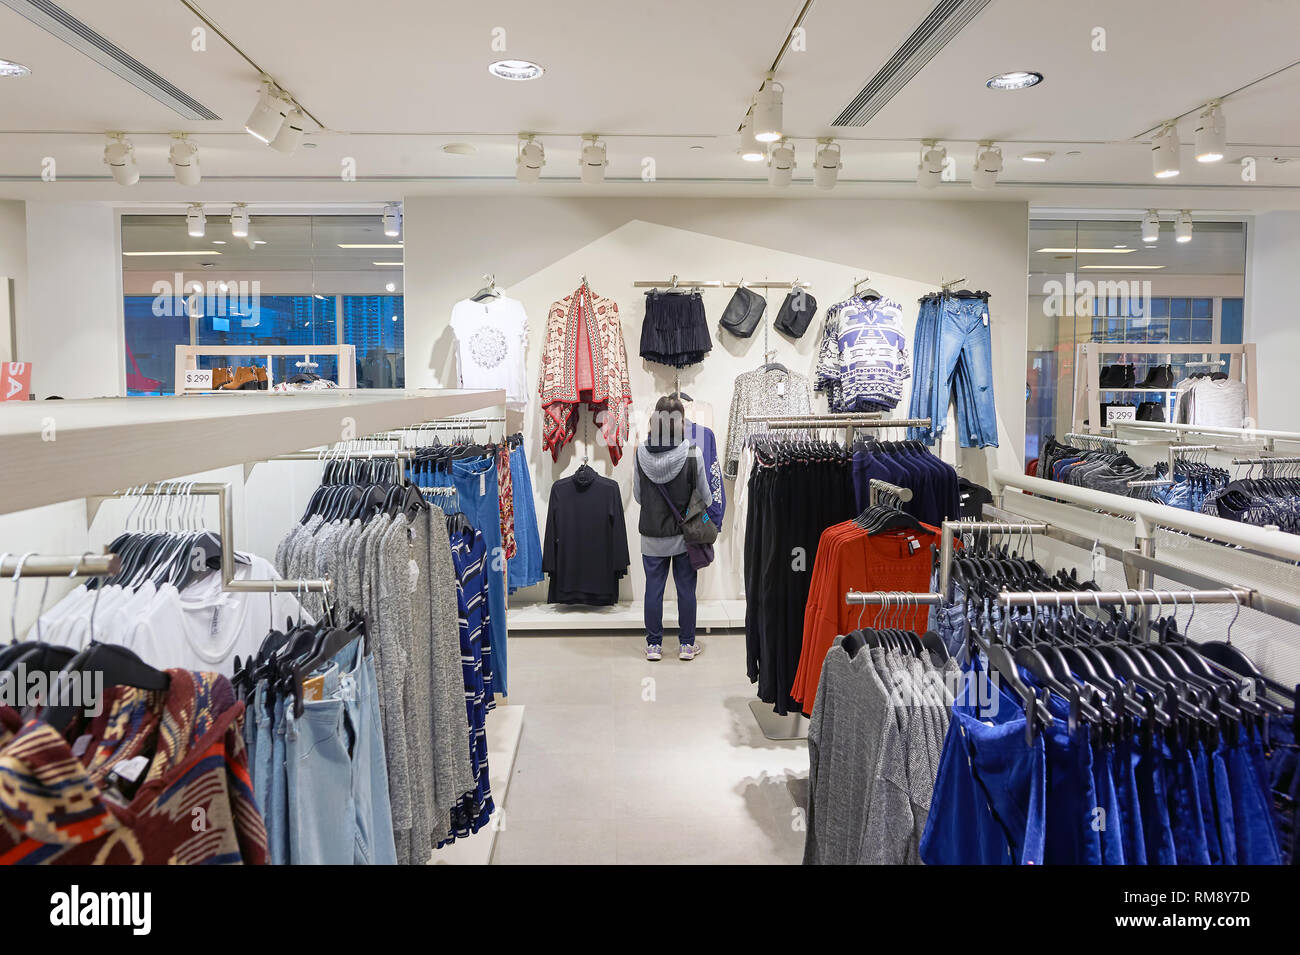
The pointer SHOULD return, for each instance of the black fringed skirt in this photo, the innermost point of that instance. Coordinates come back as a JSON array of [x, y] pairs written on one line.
[[675, 331]]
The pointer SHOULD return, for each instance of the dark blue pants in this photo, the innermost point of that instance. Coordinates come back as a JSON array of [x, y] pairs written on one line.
[[656, 577]]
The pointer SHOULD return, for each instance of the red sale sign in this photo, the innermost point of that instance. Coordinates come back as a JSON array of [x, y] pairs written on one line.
[[15, 380]]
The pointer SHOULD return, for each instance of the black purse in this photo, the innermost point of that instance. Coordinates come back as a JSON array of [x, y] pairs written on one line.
[[796, 313], [743, 312]]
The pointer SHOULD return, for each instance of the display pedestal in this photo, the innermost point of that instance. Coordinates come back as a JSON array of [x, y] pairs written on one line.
[[791, 726], [505, 728]]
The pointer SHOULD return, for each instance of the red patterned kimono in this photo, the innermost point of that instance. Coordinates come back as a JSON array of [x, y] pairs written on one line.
[[584, 359]]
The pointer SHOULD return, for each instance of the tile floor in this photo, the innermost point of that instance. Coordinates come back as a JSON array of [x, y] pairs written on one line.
[[625, 761]]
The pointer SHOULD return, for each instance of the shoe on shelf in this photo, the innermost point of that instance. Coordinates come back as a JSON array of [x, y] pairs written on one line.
[[220, 378], [263, 380], [1107, 378], [1130, 377], [689, 651], [1161, 376], [654, 652], [245, 379]]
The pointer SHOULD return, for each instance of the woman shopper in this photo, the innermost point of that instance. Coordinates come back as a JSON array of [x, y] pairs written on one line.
[[669, 477]]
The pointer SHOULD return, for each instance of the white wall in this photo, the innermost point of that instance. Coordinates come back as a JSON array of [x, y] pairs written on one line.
[[70, 328], [538, 248], [1273, 242], [13, 267]]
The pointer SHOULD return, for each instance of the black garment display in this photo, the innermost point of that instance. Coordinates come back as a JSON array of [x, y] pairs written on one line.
[[675, 331], [973, 497], [793, 498], [585, 549]]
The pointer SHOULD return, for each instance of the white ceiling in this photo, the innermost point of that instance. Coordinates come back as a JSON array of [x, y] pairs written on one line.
[[393, 81]]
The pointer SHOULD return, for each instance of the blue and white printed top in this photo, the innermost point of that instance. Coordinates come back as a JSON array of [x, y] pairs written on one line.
[[863, 361]]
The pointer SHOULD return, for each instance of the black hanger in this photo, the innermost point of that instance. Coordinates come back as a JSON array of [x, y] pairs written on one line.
[[120, 667]]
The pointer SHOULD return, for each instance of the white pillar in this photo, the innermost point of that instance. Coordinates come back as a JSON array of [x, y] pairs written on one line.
[[1271, 315]]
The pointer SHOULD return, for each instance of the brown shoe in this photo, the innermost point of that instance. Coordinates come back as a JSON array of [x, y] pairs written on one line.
[[263, 381], [220, 378], [245, 380]]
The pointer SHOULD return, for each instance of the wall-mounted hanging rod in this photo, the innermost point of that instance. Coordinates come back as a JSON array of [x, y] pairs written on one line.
[[70, 565], [948, 529], [675, 282], [391, 454], [1106, 439], [1275, 460], [850, 422], [897, 598], [951, 282]]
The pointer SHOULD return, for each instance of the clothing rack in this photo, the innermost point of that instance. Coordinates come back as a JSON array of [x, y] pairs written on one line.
[[1272, 460], [895, 598], [1081, 438], [1086, 598], [18, 566], [879, 489], [947, 286], [948, 529], [226, 512], [850, 421], [1218, 363], [1174, 451], [338, 455]]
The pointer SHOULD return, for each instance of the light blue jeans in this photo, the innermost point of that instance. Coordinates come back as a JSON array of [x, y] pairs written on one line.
[[339, 810], [952, 358]]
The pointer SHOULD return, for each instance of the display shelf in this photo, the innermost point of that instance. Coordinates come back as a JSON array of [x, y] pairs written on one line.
[[65, 450], [623, 616], [1088, 390]]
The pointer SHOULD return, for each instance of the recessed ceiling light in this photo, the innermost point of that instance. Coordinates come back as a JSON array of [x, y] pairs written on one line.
[[259, 242], [697, 146], [10, 68], [459, 149], [218, 241], [1121, 268], [1015, 80], [1121, 247], [515, 69], [388, 263], [370, 245], [309, 145], [1036, 157]]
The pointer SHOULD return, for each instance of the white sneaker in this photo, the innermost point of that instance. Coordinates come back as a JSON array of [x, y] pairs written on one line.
[[689, 651], [654, 652]]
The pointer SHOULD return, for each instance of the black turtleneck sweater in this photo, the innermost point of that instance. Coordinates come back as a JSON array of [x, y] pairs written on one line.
[[585, 550]]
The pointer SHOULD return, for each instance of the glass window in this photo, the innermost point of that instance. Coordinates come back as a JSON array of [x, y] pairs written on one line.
[[1150, 310], [306, 281]]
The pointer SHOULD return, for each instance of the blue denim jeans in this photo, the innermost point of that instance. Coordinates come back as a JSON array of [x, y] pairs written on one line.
[[656, 579], [276, 810], [965, 369], [339, 809], [525, 568]]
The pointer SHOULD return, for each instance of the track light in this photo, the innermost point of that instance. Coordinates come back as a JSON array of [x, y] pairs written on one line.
[[184, 157], [119, 156], [767, 111], [290, 134], [988, 163], [268, 115], [751, 150], [196, 223], [1211, 134], [1151, 226], [1164, 152], [930, 169], [530, 157], [1183, 227], [239, 220], [827, 165], [780, 164], [393, 219], [593, 161]]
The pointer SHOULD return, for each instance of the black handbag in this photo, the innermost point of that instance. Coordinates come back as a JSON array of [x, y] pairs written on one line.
[[698, 532], [796, 313], [743, 312]]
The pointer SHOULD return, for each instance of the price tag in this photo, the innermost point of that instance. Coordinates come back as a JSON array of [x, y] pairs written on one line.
[[1121, 413], [198, 379], [1098, 560]]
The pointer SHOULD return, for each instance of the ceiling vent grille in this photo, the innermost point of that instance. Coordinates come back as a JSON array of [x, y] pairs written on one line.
[[60, 23], [945, 21]]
